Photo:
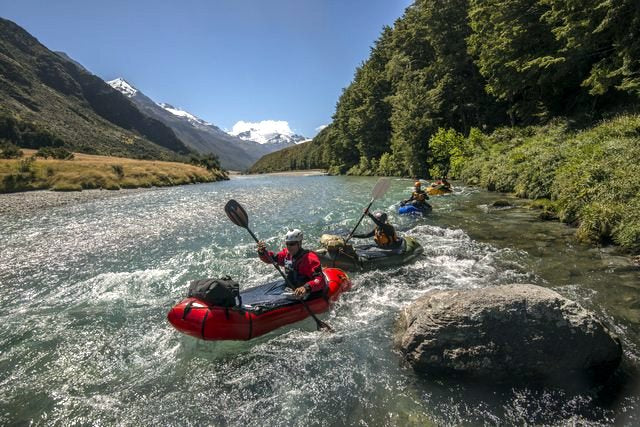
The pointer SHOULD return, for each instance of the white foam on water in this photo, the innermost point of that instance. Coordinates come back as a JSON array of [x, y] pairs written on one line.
[[107, 288], [85, 337]]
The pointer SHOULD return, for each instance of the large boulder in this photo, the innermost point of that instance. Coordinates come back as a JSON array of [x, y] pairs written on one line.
[[506, 333]]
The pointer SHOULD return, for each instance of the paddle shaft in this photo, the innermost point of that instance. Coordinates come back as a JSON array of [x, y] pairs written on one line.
[[359, 221], [380, 188]]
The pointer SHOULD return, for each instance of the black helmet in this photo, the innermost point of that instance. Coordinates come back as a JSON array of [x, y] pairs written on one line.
[[380, 216]]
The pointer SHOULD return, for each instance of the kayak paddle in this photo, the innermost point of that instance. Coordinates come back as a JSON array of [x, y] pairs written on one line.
[[239, 217], [380, 188]]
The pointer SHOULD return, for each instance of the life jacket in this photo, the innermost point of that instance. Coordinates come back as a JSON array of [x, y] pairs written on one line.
[[291, 268], [382, 239], [303, 269], [419, 196]]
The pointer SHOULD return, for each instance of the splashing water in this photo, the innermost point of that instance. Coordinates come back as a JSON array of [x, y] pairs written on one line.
[[86, 288]]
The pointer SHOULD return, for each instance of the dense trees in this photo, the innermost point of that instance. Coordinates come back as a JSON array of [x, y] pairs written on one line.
[[302, 156], [601, 36], [26, 134], [463, 64]]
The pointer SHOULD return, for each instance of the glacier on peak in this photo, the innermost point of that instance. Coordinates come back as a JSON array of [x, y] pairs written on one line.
[[267, 132], [123, 87], [181, 113], [273, 133]]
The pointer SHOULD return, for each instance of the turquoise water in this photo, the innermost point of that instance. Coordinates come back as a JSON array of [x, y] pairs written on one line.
[[86, 288]]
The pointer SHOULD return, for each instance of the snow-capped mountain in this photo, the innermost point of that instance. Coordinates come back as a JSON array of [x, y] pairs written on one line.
[[272, 134], [260, 137], [123, 87], [181, 113], [234, 153]]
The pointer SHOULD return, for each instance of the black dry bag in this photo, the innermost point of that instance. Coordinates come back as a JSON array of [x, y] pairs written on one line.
[[219, 292]]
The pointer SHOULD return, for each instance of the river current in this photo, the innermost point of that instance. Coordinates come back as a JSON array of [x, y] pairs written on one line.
[[85, 289]]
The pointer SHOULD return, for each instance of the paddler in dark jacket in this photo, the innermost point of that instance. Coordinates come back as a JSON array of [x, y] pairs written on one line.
[[418, 197], [383, 234], [301, 266]]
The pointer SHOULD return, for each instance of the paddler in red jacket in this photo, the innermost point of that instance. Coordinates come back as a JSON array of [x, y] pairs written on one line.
[[301, 266]]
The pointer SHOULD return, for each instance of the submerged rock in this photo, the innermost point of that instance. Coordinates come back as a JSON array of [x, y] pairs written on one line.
[[547, 215], [505, 334], [501, 204]]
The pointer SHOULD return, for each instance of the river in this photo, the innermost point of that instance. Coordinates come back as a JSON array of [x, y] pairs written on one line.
[[86, 288]]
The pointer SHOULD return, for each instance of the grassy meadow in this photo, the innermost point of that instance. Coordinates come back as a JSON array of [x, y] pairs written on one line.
[[87, 171]]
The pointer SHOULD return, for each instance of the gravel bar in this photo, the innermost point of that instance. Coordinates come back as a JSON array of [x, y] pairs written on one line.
[[16, 203]]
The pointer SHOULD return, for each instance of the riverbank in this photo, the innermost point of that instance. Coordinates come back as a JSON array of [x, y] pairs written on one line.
[[587, 178], [86, 171], [18, 203], [307, 172]]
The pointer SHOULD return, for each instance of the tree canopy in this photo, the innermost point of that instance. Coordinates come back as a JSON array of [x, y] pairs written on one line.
[[465, 64]]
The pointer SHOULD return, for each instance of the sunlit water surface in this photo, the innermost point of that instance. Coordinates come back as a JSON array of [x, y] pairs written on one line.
[[85, 289]]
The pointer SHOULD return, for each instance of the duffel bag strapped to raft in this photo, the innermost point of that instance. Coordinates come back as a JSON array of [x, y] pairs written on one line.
[[335, 244], [219, 292]]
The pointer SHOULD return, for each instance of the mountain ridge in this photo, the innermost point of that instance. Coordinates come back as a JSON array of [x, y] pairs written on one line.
[[197, 134], [234, 152], [44, 88]]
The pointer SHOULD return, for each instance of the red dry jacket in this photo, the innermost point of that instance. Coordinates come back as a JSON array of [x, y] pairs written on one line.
[[303, 270]]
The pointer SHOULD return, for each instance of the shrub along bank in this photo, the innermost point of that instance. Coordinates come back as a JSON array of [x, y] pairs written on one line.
[[588, 178], [85, 171]]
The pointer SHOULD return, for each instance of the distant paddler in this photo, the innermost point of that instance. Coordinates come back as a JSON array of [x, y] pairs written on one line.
[[418, 198], [440, 187]]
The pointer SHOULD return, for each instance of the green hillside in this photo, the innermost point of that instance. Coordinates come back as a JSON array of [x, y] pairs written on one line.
[[588, 178], [301, 156], [43, 93]]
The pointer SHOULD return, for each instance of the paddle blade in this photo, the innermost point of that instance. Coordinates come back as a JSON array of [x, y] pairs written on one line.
[[381, 187], [236, 213]]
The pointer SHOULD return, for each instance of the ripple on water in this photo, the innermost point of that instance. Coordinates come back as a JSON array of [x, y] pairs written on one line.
[[85, 340]]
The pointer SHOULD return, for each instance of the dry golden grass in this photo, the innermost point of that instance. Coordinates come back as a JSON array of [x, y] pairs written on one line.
[[90, 171]]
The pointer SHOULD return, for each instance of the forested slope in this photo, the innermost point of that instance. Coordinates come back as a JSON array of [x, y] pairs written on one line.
[[535, 97], [48, 100], [464, 64]]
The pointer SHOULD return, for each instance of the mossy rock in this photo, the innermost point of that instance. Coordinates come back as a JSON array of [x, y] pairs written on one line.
[[544, 204], [501, 204], [473, 181], [547, 215]]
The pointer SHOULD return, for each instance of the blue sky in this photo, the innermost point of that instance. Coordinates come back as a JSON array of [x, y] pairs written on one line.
[[222, 60]]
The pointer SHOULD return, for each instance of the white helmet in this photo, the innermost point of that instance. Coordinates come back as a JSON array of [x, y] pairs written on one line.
[[294, 235]]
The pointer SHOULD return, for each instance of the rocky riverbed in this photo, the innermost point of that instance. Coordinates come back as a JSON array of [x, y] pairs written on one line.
[[17, 203]]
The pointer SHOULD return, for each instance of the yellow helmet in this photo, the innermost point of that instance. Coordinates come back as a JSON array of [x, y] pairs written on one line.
[[417, 184]]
